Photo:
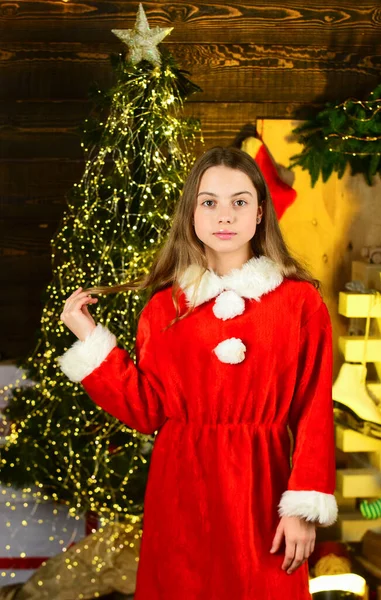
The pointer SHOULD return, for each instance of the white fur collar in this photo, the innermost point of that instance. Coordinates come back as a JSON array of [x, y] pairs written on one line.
[[256, 277]]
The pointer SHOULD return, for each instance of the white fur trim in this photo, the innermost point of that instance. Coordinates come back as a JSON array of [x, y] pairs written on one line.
[[85, 356], [210, 285], [228, 305], [256, 277], [310, 505], [231, 351]]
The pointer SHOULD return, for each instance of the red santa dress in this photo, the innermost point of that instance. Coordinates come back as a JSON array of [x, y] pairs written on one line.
[[221, 388]]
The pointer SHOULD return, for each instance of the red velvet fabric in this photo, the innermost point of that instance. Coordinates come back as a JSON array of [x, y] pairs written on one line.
[[221, 458]]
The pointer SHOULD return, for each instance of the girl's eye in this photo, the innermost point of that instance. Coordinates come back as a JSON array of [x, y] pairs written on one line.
[[205, 201]]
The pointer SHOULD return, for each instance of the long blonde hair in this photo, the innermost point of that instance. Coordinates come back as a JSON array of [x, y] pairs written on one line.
[[183, 248]]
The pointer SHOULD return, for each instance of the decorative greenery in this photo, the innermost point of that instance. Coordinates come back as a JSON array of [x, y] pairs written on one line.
[[343, 134], [138, 150]]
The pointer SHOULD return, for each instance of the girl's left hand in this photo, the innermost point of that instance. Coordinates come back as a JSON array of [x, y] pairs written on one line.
[[300, 538]]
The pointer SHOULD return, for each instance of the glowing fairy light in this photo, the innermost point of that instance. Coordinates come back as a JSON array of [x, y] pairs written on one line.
[[137, 158]]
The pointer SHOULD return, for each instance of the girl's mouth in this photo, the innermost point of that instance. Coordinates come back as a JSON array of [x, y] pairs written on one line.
[[224, 236]]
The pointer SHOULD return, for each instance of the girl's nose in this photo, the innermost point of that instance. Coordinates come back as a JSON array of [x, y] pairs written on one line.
[[225, 216]]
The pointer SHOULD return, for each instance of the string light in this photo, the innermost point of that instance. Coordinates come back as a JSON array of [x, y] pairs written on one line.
[[342, 137], [116, 219], [346, 134]]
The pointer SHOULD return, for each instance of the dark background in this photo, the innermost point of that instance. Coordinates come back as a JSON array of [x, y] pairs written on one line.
[[256, 59]]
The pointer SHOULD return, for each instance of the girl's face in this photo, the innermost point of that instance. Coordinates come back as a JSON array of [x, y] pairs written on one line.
[[227, 200]]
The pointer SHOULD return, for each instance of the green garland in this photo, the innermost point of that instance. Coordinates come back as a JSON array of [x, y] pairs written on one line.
[[342, 134]]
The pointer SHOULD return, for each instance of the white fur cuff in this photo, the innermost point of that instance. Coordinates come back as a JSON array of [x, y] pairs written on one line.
[[85, 356], [310, 505]]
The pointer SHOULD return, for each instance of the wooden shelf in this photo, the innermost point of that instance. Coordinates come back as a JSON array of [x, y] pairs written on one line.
[[359, 483], [355, 484], [349, 440], [345, 504], [352, 347], [351, 526], [357, 305]]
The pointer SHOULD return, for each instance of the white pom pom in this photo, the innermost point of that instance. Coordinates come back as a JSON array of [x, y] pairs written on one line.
[[228, 305], [231, 351]]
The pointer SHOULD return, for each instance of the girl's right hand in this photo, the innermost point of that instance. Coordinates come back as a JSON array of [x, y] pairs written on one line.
[[76, 315]]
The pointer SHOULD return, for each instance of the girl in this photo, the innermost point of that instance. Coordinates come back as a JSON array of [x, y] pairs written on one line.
[[233, 351]]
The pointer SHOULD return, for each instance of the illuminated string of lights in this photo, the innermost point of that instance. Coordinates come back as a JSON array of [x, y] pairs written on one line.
[[365, 105], [117, 217], [344, 134]]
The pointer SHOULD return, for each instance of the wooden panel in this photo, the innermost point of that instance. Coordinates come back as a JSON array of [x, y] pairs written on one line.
[[27, 269], [221, 121], [35, 125], [19, 324], [36, 182], [32, 213], [32, 203], [33, 193], [33, 144], [41, 116], [23, 236], [22, 281], [236, 72], [327, 22]]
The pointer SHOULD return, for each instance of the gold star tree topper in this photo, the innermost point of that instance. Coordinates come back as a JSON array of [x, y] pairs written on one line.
[[142, 40]]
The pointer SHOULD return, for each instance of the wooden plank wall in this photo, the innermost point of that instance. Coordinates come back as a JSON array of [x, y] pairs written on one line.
[[255, 59]]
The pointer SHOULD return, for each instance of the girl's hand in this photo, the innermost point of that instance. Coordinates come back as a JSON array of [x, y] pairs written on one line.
[[300, 538], [76, 315]]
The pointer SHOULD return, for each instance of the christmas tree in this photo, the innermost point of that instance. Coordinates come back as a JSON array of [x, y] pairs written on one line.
[[138, 149], [342, 134]]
